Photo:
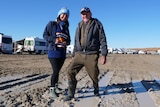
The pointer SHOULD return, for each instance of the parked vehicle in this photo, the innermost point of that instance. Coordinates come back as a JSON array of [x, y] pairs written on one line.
[[34, 45], [6, 45], [110, 50], [142, 52], [129, 52], [70, 49], [158, 52]]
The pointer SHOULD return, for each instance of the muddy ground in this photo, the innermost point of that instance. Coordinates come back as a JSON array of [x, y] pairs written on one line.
[[125, 81]]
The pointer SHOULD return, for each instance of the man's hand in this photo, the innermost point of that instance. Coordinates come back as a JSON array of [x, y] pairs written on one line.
[[103, 60]]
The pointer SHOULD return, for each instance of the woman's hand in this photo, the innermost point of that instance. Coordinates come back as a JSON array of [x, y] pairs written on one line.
[[57, 41]]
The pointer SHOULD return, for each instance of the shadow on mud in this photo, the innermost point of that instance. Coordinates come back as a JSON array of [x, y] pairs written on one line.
[[147, 85]]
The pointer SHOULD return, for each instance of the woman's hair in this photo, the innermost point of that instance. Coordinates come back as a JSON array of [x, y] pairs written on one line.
[[58, 20]]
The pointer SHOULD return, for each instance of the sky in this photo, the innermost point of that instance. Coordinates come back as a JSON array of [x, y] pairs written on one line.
[[127, 23]]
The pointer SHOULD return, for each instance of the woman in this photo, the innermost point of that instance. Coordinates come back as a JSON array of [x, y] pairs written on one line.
[[57, 36]]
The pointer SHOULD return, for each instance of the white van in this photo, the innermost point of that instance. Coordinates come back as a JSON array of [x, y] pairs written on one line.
[[6, 45], [70, 49], [34, 45]]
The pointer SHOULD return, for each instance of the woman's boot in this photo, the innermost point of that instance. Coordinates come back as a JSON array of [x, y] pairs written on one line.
[[53, 93]]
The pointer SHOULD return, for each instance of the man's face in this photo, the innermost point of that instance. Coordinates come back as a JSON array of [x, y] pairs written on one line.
[[86, 16]]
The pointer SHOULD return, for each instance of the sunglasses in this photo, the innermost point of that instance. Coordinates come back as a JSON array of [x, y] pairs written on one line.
[[85, 9]]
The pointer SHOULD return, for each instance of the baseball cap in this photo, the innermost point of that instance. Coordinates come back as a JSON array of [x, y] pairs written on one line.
[[85, 9]]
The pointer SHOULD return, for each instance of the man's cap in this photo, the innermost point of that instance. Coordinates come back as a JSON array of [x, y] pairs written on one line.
[[85, 9]]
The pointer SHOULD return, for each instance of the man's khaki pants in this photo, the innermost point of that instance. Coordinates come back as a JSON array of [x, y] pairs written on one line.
[[90, 62]]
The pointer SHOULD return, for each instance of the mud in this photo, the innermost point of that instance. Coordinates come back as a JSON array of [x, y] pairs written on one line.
[[125, 81]]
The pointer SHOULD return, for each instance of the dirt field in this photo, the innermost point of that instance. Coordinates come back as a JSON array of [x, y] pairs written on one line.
[[124, 81]]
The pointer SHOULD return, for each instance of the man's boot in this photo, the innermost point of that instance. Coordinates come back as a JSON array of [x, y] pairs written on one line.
[[53, 93], [96, 92], [71, 91]]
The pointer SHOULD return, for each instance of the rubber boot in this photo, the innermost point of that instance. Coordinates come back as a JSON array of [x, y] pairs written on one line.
[[96, 89], [53, 93], [71, 91], [96, 92]]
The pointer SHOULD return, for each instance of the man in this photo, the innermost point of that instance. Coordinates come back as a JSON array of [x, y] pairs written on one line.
[[89, 38]]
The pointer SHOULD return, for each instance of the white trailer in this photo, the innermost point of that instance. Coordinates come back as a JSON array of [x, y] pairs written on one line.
[[34, 45], [6, 45], [158, 52]]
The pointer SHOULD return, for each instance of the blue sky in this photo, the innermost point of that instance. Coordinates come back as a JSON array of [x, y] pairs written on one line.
[[127, 23]]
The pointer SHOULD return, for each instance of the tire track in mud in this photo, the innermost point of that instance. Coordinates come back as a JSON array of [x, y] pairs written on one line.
[[141, 93], [153, 88], [6, 80], [20, 82]]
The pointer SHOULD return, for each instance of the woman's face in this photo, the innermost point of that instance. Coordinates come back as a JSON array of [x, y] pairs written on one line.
[[63, 17]]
